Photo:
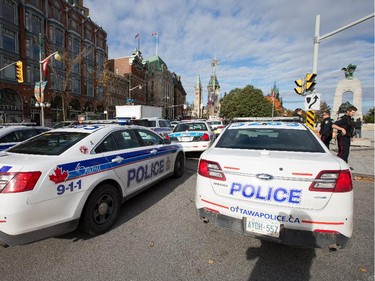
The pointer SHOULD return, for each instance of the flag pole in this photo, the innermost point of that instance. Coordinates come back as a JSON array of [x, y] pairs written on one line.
[[155, 34], [157, 42]]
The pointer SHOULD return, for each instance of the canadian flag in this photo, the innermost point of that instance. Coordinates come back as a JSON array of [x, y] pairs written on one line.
[[44, 66], [154, 34]]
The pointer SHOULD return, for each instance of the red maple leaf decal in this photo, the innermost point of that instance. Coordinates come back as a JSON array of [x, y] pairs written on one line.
[[58, 177]]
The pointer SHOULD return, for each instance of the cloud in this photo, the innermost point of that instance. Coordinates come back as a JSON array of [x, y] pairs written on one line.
[[256, 42]]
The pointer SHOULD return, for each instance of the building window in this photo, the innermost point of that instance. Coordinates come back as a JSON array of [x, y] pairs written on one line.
[[9, 39], [76, 86], [89, 89], [9, 72], [28, 73], [56, 12], [89, 71], [99, 93], [73, 22], [88, 32], [56, 36], [35, 3], [36, 24], [89, 53], [8, 9]]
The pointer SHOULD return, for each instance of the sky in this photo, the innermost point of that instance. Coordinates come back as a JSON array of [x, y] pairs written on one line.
[[257, 43]]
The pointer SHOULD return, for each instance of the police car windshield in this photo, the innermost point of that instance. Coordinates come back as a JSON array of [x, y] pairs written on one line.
[[51, 143], [270, 139]]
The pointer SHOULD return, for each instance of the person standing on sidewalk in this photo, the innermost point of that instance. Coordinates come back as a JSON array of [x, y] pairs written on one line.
[[358, 128], [326, 128], [345, 127]]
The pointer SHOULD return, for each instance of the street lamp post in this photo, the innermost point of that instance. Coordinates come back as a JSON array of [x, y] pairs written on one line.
[[130, 95], [57, 57], [41, 91]]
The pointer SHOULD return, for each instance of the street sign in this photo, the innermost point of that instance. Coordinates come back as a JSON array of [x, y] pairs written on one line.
[[310, 119], [312, 102]]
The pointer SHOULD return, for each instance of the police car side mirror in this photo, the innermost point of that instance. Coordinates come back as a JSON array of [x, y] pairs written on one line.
[[167, 141]]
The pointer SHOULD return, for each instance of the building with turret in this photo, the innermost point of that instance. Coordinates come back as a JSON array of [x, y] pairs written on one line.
[[213, 90], [198, 98]]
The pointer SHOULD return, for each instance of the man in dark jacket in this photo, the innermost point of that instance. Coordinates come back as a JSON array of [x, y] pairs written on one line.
[[345, 127], [326, 129]]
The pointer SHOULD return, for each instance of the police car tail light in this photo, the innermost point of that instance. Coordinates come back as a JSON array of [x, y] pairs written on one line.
[[205, 137], [18, 182], [332, 181], [210, 169]]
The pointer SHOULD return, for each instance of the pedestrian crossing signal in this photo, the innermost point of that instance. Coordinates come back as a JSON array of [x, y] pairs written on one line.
[[19, 71]]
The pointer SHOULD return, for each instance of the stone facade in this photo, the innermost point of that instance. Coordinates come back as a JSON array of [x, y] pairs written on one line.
[[348, 85]]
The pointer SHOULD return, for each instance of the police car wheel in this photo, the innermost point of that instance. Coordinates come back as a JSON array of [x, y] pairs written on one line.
[[179, 166], [101, 210]]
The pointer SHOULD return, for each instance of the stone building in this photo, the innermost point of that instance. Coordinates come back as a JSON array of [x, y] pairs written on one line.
[[198, 98], [150, 82], [31, 32]]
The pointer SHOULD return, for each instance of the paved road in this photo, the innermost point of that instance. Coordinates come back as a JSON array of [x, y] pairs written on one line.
[[159, 237]]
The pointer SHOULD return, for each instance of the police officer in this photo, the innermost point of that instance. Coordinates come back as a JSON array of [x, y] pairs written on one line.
[[326, 128], [345, 127]]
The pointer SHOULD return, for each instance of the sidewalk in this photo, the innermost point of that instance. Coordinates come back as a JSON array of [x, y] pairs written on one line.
[[361, 158]]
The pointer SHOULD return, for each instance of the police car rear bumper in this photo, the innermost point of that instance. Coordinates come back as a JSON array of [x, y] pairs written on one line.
[[287, 236]]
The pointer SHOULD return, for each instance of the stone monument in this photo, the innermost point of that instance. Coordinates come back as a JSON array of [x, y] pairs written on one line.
[[349, 84]]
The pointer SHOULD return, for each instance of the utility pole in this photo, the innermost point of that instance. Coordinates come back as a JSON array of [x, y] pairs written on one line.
[[318, 38]]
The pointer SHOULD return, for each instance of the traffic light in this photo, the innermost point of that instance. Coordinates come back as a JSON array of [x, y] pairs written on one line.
[[310, 82], [19, 71], [300, 86]]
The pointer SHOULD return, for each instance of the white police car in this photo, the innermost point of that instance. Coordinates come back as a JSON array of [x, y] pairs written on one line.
[[11, 135], [194, 136], [67, 177], [276, 181]]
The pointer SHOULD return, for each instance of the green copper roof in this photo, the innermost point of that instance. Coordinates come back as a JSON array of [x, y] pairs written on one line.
[[213, 80], [155, 63], [198, 84]]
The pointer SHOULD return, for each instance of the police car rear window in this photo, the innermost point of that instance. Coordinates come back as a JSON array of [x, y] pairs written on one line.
[[270, 139], [52, 143]]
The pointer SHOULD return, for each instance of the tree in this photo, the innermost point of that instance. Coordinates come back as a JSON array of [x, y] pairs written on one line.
[[343, 107], [324, 107], [246, 102], [369, 117]]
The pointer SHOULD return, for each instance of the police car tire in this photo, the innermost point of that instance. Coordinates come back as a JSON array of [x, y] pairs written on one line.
[[179, 165], [107, 198]]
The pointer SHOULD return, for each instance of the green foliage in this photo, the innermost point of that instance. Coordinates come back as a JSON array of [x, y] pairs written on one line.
[[324, 107], [369, 117], [246, 102], [343, 107]]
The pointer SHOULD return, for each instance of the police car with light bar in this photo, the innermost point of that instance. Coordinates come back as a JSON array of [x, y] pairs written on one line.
[[276, 181], [70, 177], [194, 136]]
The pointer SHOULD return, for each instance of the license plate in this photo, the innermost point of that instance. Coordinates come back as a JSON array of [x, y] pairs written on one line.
[[185, 138], [262, 227]]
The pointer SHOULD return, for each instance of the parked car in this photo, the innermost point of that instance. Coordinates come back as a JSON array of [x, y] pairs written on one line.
[[161, 126], [12, 135], [194, 136], [79, 176], [276, 181], [217, 125]]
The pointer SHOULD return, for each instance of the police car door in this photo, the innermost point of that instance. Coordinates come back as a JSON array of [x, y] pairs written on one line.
[[159, 163], [126, 155]]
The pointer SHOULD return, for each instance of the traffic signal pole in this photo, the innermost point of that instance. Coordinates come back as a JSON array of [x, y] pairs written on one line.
[[318, 38]]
